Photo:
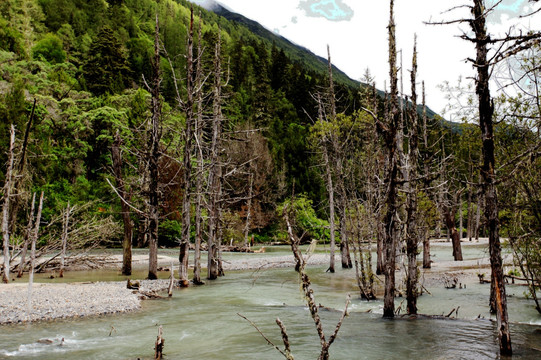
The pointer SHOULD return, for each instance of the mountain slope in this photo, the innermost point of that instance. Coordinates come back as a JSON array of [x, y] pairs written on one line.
[[294, 52]]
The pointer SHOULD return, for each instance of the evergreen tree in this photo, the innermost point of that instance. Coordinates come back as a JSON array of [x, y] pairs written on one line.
[[106, 70]]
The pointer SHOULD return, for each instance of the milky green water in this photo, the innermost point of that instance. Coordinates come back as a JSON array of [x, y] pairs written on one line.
[[202, 323]]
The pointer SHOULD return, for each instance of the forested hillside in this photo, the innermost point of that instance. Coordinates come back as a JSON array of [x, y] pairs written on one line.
[[85, 64]]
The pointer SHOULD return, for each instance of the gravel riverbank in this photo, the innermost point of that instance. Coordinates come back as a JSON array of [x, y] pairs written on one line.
[[72, 300]]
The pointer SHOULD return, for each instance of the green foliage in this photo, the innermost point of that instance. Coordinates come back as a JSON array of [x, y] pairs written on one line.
[[10, 39], [49, 48], [170, 232], [305, 219], [106, 70]]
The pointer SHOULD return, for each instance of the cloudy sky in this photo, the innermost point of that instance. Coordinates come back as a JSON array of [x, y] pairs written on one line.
[[357, 35]]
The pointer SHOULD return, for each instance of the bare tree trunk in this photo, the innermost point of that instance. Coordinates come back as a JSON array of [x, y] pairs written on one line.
[[328, 170], [65, 228], [6, 206], [34, 237], [184, 254], [478, 213], [412, 239], [27, 237], [461, 219], [380, 262], [200, 165], [309, 294], [330, 191], [469, 221], [486, 110], [125, 198], [248, 209], [153, 159], [427, 263], [215, 171], [390, 220], [449, 217], [344, 239]]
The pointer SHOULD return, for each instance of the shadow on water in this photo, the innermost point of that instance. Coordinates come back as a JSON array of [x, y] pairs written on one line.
[[202, 323]]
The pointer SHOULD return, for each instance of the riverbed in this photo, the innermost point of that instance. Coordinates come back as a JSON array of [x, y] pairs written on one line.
[[202, 322]]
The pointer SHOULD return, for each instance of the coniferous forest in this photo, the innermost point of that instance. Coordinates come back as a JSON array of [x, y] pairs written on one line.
[[158, 124]]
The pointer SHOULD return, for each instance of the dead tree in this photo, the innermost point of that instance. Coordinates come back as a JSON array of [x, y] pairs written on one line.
[[65, 229], [34, 239], [200, 160], [249, 206], [187, 162], [309, 293], [388, 130], [8, 186], [412, 236], [159, 344], [504, 47], [449, 212], [285, 338], [215, 175], [27, 238], [153, 161], [426, 239], [488, 186], [125, 198], [330, 189]]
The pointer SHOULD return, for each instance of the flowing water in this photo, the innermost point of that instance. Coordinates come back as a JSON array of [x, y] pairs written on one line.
[[202, 323]]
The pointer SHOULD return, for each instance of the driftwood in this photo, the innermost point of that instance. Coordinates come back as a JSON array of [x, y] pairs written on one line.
[[536, 282], [148, 295], [133, 285]]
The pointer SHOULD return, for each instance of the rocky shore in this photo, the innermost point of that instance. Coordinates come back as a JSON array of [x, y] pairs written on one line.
[[72, 300]]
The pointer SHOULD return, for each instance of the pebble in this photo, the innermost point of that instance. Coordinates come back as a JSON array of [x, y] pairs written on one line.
[[58, 301]]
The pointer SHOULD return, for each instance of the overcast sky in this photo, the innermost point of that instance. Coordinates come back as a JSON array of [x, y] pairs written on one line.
[[357, 34]]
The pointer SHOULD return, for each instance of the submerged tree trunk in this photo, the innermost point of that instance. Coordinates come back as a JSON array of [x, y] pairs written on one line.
[[486, 110], [390, 220], [380, 261], [247, 224], [449, 217], [200, 166], [412, 239], [330, 191], [153, 159], [427, 263], [184, 254], [327, 160], [344, 241], [125, 198], [215, 174], [469, 221], [6, 206]]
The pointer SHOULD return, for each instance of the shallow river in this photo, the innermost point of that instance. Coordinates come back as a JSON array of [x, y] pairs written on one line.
[[202, 323]]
